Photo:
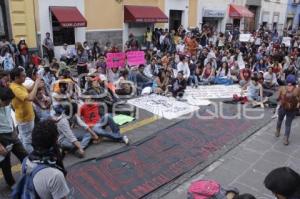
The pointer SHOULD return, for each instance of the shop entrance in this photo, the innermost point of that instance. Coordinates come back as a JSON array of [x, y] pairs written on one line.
[[175, 19]]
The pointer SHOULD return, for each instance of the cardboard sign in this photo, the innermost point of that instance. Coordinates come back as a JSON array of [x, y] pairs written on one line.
[[135, 58], [115, 60], [245, 37], [286, 41]]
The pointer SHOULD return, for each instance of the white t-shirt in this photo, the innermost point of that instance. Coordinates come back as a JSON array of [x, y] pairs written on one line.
[[184, 67], [49, 183]]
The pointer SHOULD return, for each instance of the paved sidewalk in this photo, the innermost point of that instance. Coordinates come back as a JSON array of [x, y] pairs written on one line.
[[246, 166]]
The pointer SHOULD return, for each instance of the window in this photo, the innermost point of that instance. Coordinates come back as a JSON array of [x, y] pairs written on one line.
[[62, 35]]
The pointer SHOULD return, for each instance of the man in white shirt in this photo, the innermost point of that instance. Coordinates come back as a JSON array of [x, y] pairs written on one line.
[[65, 54], [151, 69], [184, 67]]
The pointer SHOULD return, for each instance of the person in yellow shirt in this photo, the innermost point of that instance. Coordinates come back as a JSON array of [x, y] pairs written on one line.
[[148, 38], [22, 104]]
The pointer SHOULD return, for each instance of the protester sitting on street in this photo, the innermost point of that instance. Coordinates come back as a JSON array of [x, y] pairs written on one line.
[[113, 75], [223, 75], [183, 66], [151, 69], [270, 80], [260, 65], [245, 75], [289, 99], [284, 183], [255, 93], [65, 54], [138, 77], [41, 104], [23, 106], [290, 70], [67, 139], [178, 86], [208, 75], [161, 83], [8, 138], [123, 86], [278, 71], [92, 117]]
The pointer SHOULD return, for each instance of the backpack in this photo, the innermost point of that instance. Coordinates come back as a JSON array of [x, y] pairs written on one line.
[[206, 189], [24, 189]]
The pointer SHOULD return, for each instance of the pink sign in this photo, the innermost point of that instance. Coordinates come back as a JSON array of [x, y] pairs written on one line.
[[115, 60], [135, 58]]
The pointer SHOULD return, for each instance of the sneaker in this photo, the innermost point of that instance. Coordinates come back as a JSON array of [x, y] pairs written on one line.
[[274, 116], [78, 154], [126, 140]]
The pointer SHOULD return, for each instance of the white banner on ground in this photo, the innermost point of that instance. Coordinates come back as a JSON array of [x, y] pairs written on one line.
[[162, 106], [213, 92]]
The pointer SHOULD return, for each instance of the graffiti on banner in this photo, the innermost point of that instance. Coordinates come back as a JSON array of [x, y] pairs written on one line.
[[213, 92], [115, 60], [162, 106], [135, 58]]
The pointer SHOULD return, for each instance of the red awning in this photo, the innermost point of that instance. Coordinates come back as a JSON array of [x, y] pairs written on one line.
[[237, 11], [144, 14], [68, 16]]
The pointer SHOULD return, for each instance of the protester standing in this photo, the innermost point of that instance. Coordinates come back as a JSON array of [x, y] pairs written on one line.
[[289, 98], [48, 47], [22, 104], [8, 137]]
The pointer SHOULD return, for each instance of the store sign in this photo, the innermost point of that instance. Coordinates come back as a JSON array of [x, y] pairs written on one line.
[[214, 13], [73, 24]]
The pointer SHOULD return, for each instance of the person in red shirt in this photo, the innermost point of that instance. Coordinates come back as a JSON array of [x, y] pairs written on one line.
[[245, 75], [35, 59], [90, 118]]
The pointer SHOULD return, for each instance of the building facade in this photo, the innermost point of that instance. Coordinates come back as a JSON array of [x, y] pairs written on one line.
[[112, 25], [273, 14], [293, 14], [63, 19], [17, 21]]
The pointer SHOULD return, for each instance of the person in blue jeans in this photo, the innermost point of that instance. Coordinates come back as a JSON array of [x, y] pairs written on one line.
[[289, 98], [91, 119], [68, 140]]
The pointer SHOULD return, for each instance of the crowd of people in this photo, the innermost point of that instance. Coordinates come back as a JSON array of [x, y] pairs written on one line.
[[54, 93]]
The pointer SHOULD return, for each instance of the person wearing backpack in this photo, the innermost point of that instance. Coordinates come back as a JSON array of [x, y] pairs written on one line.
[[43, 172], [289, 98]]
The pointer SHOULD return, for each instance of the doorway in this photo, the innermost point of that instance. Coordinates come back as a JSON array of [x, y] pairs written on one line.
[[3, 21], [175, 19], [236, 23]]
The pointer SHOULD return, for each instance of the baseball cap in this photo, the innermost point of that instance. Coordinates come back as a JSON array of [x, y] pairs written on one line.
[[291, 79]]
